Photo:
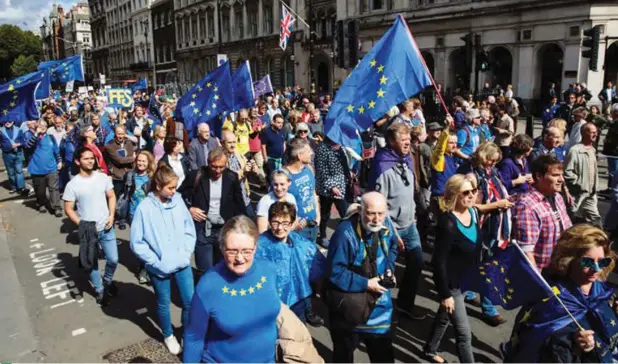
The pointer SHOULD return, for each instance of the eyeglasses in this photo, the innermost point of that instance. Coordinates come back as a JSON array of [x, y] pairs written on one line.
[[303, 131], [587, 262], [284, 224], [467, 193], [246, 253]]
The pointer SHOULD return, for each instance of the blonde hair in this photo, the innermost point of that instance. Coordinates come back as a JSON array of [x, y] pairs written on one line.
[[561, 124], [574, 243], [452, 189], [484, 152], [152, 167]]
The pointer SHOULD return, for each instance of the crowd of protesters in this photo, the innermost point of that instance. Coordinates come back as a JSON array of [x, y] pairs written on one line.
[[458, 188]]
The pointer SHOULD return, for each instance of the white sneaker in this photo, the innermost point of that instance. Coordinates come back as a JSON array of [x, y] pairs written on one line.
[[172, 344]]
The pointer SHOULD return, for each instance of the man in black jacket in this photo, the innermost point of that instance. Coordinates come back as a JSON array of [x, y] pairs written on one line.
[[213, 195]]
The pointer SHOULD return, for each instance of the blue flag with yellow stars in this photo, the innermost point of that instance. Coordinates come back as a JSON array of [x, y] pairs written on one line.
[[141, 84], [242, 84], [507, 279], [65, 70], [206, 100], [390, 73], [153, 110], [42, 91], [18, 102]]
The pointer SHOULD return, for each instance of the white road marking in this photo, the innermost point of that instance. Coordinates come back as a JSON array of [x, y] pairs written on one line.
[[19, 201], [34, 240], [79, 331], [141, 311]]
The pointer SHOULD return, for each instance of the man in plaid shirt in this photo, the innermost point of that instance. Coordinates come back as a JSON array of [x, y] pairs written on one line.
[[540, 217]]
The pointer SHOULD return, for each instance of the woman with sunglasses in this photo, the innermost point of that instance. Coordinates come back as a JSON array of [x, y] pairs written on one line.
[[580, 263], [494, 204], [458, 246]]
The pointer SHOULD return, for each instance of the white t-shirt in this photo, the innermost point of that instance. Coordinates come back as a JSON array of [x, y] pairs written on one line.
[[214, 207], [267, 200], [176, 165], [89, 194]]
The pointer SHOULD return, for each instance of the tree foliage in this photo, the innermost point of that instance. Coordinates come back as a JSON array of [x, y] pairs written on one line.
[[23, 65], [16, 42]]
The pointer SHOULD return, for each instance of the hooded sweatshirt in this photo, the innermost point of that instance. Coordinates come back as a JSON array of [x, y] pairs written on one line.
[[163, 235]]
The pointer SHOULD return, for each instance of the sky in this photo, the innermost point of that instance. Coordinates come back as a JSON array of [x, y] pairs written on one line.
[[28, 14]]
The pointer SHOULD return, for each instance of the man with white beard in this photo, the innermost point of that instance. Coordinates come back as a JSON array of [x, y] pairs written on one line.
[[361, 263]]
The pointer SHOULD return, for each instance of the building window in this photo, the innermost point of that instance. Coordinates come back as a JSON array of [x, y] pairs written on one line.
[[203, 26], [574, 31], [179, 32], [254, 69], [225, 25], [288, 71], [363, 5], [377, 4], [186, 29], [268, 18], [527, 34], [253, 22], [194, 27], [239, 26], [211, 24]]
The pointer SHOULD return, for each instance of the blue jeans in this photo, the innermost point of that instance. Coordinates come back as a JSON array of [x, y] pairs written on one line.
[[612, 166], [163, 291], [301, 308], [486, 306], [207, 251], [414, 267], [310, 233], [14, 163], [107, 240]]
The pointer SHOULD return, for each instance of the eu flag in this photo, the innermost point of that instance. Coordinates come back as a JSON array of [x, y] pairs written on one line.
[[65, 70], [263, 86], [153, 110], [42, 91], [207, 99], [390, 73], [242, 84], [18, 102], [141, 84], [507, 279]]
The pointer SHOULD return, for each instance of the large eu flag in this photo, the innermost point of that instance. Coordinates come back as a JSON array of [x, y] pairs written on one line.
[[206, 100], [65, 70], [507, 279], [390, 73], [18, 102], [42, 91], [141, 84], [242, 84]]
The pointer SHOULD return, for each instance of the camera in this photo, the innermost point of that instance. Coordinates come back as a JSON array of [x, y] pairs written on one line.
[[388, 280]]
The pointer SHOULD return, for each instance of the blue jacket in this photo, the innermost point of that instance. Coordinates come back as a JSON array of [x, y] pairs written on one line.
[[346, 248], [45, 154], [163, 236], [10, 136]]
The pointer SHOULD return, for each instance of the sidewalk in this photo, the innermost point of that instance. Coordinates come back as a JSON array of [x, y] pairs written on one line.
[[19, 343]]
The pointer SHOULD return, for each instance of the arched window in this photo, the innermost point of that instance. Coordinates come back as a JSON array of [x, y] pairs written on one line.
[[254, 69], [239, 26]]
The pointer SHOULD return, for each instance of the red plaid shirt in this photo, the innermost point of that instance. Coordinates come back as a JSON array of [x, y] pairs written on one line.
[[536, 226]]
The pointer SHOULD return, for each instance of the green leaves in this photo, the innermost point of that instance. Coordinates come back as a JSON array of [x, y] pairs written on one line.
[[16, 43], [23, 65]]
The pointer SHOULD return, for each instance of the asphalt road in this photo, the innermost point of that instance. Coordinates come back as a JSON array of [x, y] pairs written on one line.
[[49, 314]]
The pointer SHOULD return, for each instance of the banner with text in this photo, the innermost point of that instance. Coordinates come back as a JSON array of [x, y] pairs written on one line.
[[119, 98]]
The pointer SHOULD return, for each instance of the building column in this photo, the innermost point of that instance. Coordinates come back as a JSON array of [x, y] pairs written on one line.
[[216, 20], [526, 68], [260, 18], [232, 24], [276, 16], [245, 25], [207, 27], [179, 33], [199, 30], [191, 35]]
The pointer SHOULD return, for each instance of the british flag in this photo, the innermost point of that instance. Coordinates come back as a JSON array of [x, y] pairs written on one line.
[[287, 20]]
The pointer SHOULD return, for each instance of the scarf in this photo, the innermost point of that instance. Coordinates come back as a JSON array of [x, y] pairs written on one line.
[[497, 224], [385, 159]]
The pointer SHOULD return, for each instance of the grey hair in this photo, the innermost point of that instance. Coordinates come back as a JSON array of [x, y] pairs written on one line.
[[297, 146], [201, 125], [239, 224]]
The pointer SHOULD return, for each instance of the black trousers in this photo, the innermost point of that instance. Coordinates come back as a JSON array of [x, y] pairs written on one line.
[[379, 346]]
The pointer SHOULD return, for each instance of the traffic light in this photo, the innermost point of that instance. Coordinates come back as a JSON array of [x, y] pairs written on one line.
[[468, 48], [353, 26], [482, 61], [591, 40], [340, 39]]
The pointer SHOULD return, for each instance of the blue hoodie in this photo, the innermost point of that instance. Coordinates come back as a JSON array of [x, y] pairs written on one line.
[[163, 235]]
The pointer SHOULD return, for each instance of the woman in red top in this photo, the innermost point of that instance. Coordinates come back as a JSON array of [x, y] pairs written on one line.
[[88, 137]]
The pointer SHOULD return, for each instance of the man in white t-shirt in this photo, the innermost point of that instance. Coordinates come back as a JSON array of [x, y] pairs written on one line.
[[93, 192], [280, 184]]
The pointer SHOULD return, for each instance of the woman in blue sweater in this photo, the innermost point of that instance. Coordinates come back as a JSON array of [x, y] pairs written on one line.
[[163, 237], [233, 315]]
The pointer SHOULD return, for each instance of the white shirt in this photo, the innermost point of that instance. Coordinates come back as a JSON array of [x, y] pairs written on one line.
[[267, 200], [89, 194], [214, 206], [176, 165]]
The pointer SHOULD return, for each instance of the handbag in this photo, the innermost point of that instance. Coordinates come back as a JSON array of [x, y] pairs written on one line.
[[354, 308]]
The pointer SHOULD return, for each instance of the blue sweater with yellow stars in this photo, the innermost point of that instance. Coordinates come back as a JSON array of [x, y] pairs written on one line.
[[233, 318]]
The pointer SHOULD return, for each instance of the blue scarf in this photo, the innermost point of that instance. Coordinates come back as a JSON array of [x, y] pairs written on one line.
[[545, 318], [385, 159]]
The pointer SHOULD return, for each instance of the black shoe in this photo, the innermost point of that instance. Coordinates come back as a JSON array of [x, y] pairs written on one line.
[[415, 314], [111, 289], [101, 299], [24, 192], [493, 321], [12, 191], [314, 319], [143, 277], [58, 213], [42, 209]]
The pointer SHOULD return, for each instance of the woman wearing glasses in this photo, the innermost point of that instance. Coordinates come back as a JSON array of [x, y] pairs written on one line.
[[233, 315], [163, 237], [545, 333], [298, 260], [457, 248]]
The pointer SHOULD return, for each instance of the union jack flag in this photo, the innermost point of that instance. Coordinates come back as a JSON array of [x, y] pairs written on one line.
[[287, 20]]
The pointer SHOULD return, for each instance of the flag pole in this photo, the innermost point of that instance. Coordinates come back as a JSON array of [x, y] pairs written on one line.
[[296, 15], [433, 82], [555, 295]]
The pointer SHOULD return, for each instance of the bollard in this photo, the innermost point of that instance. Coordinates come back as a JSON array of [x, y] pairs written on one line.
[[530, 126]]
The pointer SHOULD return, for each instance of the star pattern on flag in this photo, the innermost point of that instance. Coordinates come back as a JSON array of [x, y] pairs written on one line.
[[233, 292], [507, 292], [11, 105], [363, 109]]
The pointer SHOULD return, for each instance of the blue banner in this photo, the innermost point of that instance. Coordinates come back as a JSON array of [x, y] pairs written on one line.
[[65, 70], [119, 98]]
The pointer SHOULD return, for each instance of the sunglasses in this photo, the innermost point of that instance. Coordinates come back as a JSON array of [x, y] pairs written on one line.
[[467, 193], [587, 262]]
